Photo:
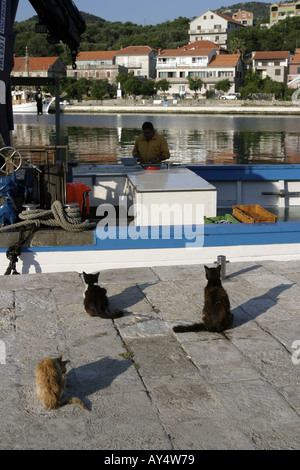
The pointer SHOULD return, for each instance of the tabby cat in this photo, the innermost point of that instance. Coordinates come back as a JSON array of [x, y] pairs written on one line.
[[217, 316], [51, 382], [95, 299]]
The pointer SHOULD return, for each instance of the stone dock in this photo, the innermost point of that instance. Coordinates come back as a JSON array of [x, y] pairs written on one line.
[[147, 388]]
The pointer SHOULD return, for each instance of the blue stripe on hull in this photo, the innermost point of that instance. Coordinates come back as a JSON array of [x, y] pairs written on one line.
[[247, 172], [214, 235]]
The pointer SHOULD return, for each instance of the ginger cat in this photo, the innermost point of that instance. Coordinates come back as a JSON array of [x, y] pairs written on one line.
[[217, 315], [51, 383]]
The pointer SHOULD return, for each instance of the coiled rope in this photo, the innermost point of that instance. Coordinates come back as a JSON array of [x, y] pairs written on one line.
[[57, 216], [68, 219]]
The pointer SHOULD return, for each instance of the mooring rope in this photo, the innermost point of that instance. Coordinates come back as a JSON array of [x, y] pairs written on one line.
[[68, 219], [15, 250], [57, 216]]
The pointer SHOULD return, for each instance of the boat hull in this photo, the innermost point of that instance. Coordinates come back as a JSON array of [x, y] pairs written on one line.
[[238, 242], [138, 246]]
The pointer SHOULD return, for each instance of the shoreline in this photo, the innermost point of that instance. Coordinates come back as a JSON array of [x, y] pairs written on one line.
[[190, 108]]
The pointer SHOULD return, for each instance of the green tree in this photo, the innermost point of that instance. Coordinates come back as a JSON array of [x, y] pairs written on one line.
[[99, 89], [148, 88], [163, 85], [75, 89], [237, 45], [223, 85], [195, 84], [130, 84]]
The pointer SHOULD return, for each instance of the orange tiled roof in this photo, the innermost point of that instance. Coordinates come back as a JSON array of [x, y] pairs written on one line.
[[227, 18], [135, 50], [271, 55], [224, 60], [96, 55], [296, 58], [35, 63], [201, 45]]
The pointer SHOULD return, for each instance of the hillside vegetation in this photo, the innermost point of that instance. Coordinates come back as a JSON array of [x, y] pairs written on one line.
[[105, 35]]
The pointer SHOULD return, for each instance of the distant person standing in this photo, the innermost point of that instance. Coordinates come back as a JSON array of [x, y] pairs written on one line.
[[150, 146], [39, 101]]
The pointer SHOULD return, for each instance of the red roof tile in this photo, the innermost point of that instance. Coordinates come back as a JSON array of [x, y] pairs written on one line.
[[95, 55], [35, 63], [224, 60], [271, 55], [135, 50]]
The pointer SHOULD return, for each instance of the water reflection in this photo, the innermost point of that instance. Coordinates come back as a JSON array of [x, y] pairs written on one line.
[[192, 138]]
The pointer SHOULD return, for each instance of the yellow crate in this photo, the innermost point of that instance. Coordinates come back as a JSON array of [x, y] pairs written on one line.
[[253, 214]]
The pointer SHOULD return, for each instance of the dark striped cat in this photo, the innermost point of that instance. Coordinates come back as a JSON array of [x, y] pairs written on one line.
[[217, 315], [95, 301]]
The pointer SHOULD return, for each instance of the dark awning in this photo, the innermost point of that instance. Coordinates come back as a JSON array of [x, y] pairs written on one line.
[[8, 9]]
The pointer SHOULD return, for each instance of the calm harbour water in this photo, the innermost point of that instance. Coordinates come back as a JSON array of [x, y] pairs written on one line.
[[211, 139]]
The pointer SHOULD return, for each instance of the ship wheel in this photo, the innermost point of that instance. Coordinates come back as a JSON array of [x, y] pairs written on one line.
[[10, 160]]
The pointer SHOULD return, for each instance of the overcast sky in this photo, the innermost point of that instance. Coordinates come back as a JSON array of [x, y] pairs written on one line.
[[136, 11]]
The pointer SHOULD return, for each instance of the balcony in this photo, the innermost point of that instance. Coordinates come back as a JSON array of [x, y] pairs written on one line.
[[180, 65], [207, 31]]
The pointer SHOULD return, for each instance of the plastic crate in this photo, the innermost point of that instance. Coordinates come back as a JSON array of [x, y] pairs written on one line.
[[222, 218], [253, 214]]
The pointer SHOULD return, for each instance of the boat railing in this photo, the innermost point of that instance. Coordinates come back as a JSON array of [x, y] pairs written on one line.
[[45, 155]]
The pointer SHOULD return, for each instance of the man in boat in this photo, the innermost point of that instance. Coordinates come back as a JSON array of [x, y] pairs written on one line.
[[150, 146]]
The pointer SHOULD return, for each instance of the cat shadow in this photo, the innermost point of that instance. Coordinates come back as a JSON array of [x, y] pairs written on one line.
[[257, 306], [129, 297], [90, 378]]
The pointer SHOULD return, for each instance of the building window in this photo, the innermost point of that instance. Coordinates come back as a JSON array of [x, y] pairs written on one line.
[[277, 72]]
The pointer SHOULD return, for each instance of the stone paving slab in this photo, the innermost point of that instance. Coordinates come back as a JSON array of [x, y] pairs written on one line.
[[147, 388]]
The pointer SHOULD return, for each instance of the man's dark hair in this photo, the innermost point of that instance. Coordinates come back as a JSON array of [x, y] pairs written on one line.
[[147, 125]]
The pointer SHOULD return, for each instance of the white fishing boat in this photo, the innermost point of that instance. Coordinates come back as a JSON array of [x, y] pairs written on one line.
[[23, 106], [170, 216]]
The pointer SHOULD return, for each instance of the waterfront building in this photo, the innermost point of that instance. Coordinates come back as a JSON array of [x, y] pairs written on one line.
[[140, 61], [213, 26], [273, 64], [205, 61], [293, 80], [49, 67], [96, 65]]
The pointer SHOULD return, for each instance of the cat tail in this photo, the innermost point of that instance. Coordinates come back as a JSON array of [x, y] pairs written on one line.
[[72, 401], [117, 314], [190, 328]]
